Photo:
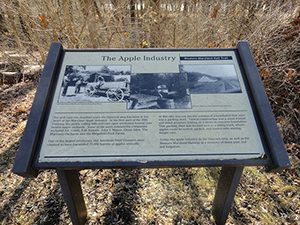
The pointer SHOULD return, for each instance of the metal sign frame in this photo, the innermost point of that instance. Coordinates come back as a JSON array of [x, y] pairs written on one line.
[[27, 161]]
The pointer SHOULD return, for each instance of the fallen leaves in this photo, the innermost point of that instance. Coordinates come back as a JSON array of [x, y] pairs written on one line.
[[16, 102], [265, 74], [215, 12], [291, 72], [43, 21]]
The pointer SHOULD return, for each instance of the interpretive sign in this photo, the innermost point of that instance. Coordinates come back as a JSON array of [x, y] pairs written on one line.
[[150, 108]]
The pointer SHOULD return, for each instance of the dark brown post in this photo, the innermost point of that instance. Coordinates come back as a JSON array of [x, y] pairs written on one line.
[[71, 188], [228, 183]]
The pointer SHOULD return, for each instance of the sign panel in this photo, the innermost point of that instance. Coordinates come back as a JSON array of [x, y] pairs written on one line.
[[139, 106]]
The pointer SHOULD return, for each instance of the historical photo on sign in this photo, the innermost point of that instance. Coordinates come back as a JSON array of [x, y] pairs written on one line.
[[159, 91], [95, 84], [211, 79]]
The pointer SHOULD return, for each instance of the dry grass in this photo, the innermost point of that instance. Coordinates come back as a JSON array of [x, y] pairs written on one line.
[[33, 25], [152, 196]]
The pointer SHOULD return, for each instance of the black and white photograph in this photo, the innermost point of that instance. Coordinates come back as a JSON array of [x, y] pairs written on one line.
[[159, 91], [211, 79], [83, 83]]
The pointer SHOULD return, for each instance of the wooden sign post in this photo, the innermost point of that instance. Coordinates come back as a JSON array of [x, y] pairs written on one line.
[[150, 108]]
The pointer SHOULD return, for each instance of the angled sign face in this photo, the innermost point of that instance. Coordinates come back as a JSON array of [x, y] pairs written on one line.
[[150, 106], [111, 108]]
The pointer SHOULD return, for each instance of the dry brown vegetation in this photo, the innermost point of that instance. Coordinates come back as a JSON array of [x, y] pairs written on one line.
[[151, 196]]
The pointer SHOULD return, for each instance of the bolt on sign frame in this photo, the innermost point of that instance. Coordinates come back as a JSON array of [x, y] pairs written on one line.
[[147, 108]]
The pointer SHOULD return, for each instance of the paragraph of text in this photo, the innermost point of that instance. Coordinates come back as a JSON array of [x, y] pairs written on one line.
[[171, 124], [98, 125]]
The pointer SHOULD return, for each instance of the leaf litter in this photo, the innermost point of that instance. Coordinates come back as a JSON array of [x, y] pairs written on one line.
[[163, 196]]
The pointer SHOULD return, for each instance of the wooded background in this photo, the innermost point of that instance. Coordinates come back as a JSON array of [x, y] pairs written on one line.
[[149, 196]]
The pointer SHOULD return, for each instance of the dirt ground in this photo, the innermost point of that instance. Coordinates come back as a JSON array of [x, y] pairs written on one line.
[[167, 195], [139, 196]]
